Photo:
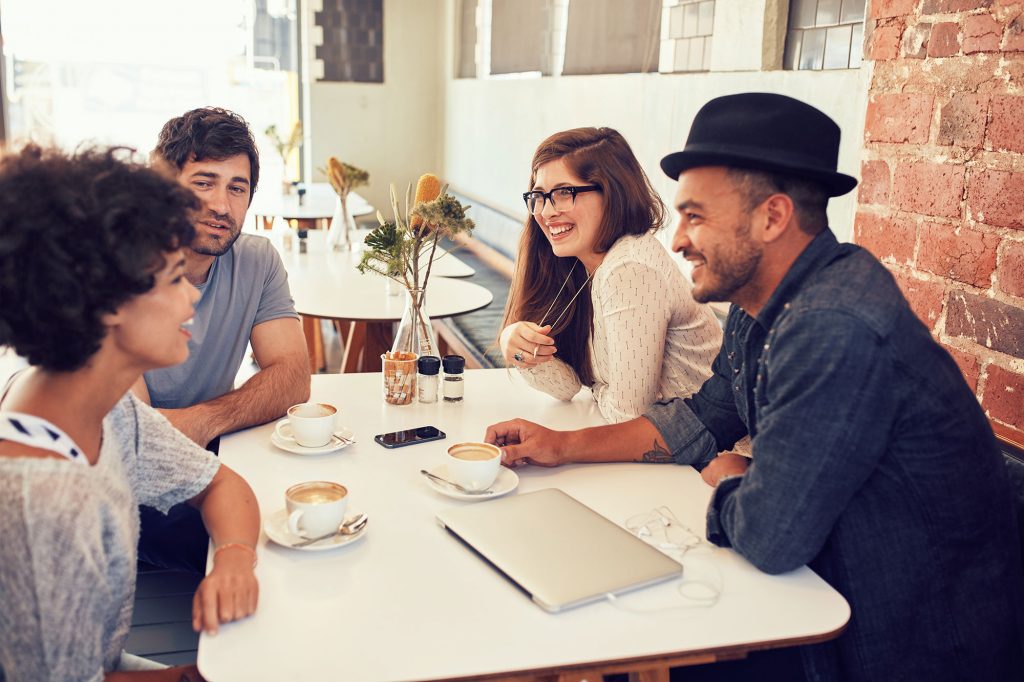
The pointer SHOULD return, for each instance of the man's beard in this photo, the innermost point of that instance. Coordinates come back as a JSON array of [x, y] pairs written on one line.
[[211, 246], [729, 272]]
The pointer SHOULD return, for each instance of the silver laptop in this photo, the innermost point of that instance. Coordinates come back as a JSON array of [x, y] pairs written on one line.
[[557, 550]]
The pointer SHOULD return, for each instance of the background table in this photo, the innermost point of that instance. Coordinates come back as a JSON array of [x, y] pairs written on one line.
[[325, 284], [409, 602], [315, 211]]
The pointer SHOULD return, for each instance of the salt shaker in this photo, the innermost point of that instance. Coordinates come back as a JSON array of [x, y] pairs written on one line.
[[453, 387], [428, 367], [302, 240]]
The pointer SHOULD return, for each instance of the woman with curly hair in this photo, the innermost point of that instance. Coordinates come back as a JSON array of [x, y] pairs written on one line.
[[596, 299], [93, 293]]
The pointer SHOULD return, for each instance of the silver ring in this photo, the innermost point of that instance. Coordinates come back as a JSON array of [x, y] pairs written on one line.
[[518, 357]]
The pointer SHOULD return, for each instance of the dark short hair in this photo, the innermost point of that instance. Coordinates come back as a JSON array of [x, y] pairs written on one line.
[[810, 200], [80, 234], [209, 133]]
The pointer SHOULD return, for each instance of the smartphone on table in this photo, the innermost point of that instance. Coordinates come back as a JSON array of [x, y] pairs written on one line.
[[398, 439]]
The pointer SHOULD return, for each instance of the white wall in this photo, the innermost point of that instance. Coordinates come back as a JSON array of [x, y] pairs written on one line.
[[392, 129], [492, 126]]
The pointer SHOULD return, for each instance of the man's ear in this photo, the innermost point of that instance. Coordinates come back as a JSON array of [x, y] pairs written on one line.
[[778, 215]]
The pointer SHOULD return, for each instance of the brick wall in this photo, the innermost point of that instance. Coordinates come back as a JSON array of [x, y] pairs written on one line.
[[941, 201]]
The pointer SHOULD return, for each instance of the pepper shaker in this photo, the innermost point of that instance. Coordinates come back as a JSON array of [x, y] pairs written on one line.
[[453, 386]]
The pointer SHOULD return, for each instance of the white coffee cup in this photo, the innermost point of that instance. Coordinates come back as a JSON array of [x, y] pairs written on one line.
[[311, 425], [474, 466], [315, 508]]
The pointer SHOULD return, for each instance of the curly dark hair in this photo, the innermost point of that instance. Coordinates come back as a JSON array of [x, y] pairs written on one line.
[[80, 234], [209, 133]]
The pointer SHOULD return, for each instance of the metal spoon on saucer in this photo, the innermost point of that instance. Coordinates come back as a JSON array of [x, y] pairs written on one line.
[[453, 484], [350, 526]]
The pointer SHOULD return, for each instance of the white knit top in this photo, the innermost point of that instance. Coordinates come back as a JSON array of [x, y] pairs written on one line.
[[651, 339]]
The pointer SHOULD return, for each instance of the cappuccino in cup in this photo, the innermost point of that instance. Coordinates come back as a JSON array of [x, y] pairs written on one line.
[[315, 508], [474, 466], [310, 425]]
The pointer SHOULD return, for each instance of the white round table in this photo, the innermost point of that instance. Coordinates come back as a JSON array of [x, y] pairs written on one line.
[[317, 206], [326, 285]]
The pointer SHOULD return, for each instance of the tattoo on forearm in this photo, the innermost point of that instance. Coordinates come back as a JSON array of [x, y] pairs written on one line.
[[658, 455]]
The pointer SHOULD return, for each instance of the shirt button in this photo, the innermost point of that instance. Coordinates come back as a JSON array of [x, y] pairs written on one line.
[[736, 370], [766, 346]]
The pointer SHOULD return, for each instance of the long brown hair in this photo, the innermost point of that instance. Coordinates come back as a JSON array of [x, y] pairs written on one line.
[[602, 157]]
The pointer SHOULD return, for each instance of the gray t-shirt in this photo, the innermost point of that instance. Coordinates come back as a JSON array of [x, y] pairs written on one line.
[[246, 286], [67, 558]]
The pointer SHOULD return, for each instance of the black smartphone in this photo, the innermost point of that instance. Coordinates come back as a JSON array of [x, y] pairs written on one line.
[[398, 439]]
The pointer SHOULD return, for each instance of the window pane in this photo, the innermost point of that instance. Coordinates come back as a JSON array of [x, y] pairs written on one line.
[[466, 67], [692, 12], [705, 18], [837, 47], [857, 46], [697, 54], [519, 35], [813, 50], [682, 62], [793, 40], [802, 12], [828, 13], [676, 30], [610, 36], [853, 10], [353, 45]]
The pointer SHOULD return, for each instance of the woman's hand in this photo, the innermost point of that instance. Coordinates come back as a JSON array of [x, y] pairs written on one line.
[[525, 344], [229, 592]]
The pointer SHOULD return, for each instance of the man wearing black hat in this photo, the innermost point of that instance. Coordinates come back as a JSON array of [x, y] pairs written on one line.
[[872, 460]]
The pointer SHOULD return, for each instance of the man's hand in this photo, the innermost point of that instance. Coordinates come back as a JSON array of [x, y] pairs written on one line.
[[726, 464], [228, 593], [524, 442]]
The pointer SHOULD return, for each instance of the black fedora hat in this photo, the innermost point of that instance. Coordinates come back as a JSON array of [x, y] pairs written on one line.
[[764, 131]]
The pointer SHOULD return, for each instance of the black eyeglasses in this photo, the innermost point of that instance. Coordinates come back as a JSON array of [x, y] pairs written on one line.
[[562, 198]]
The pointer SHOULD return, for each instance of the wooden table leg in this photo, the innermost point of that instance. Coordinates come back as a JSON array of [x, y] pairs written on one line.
[[314, 342], [379, 337], [354, 346]]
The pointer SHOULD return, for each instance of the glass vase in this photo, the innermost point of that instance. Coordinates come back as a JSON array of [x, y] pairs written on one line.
[[415, 334], [343, 227]]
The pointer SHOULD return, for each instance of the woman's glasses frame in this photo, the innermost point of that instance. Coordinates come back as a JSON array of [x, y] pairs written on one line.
[[562, 198]]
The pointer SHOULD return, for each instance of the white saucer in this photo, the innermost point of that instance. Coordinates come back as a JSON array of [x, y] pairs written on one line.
[[337, 443], [506, 482], [276, 528]]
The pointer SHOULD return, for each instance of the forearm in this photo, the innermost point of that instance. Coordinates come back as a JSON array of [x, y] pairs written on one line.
[[636, 440], [230, 511], [264, 397], [554, 377]]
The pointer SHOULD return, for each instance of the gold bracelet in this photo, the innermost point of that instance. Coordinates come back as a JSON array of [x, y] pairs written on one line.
[[236, 544]]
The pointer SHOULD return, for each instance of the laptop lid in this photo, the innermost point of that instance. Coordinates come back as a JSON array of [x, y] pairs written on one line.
[[556, 549]]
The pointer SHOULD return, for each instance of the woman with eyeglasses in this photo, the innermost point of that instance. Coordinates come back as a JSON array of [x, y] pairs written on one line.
[[596, 299], [93, 294]]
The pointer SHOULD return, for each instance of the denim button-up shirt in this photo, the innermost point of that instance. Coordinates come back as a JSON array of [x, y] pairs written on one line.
[[873, 463]]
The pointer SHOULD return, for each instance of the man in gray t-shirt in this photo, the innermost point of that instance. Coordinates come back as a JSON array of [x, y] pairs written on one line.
[[245, 297], [244, 300]]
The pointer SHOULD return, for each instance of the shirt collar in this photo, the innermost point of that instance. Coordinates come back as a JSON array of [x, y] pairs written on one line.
[[816, 255]]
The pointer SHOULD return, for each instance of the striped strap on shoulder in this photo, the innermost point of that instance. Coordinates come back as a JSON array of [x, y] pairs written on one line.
[[36, 432]]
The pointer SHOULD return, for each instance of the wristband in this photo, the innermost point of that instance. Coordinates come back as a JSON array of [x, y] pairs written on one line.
[[236, 544]]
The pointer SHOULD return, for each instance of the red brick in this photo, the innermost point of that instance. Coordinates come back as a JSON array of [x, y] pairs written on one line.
[[889, 239], [1013, 39], [1010, 271], [874, 183], [945, 6], [892, 8], [1004, 396], [970, 365], [994, 197], [982, 33], [925, 298], [945, 39], [914, 44], [1006, 129], [885, 42], [986, 321], [929, 188], [962, 121], [899, 118], [968, 256]]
